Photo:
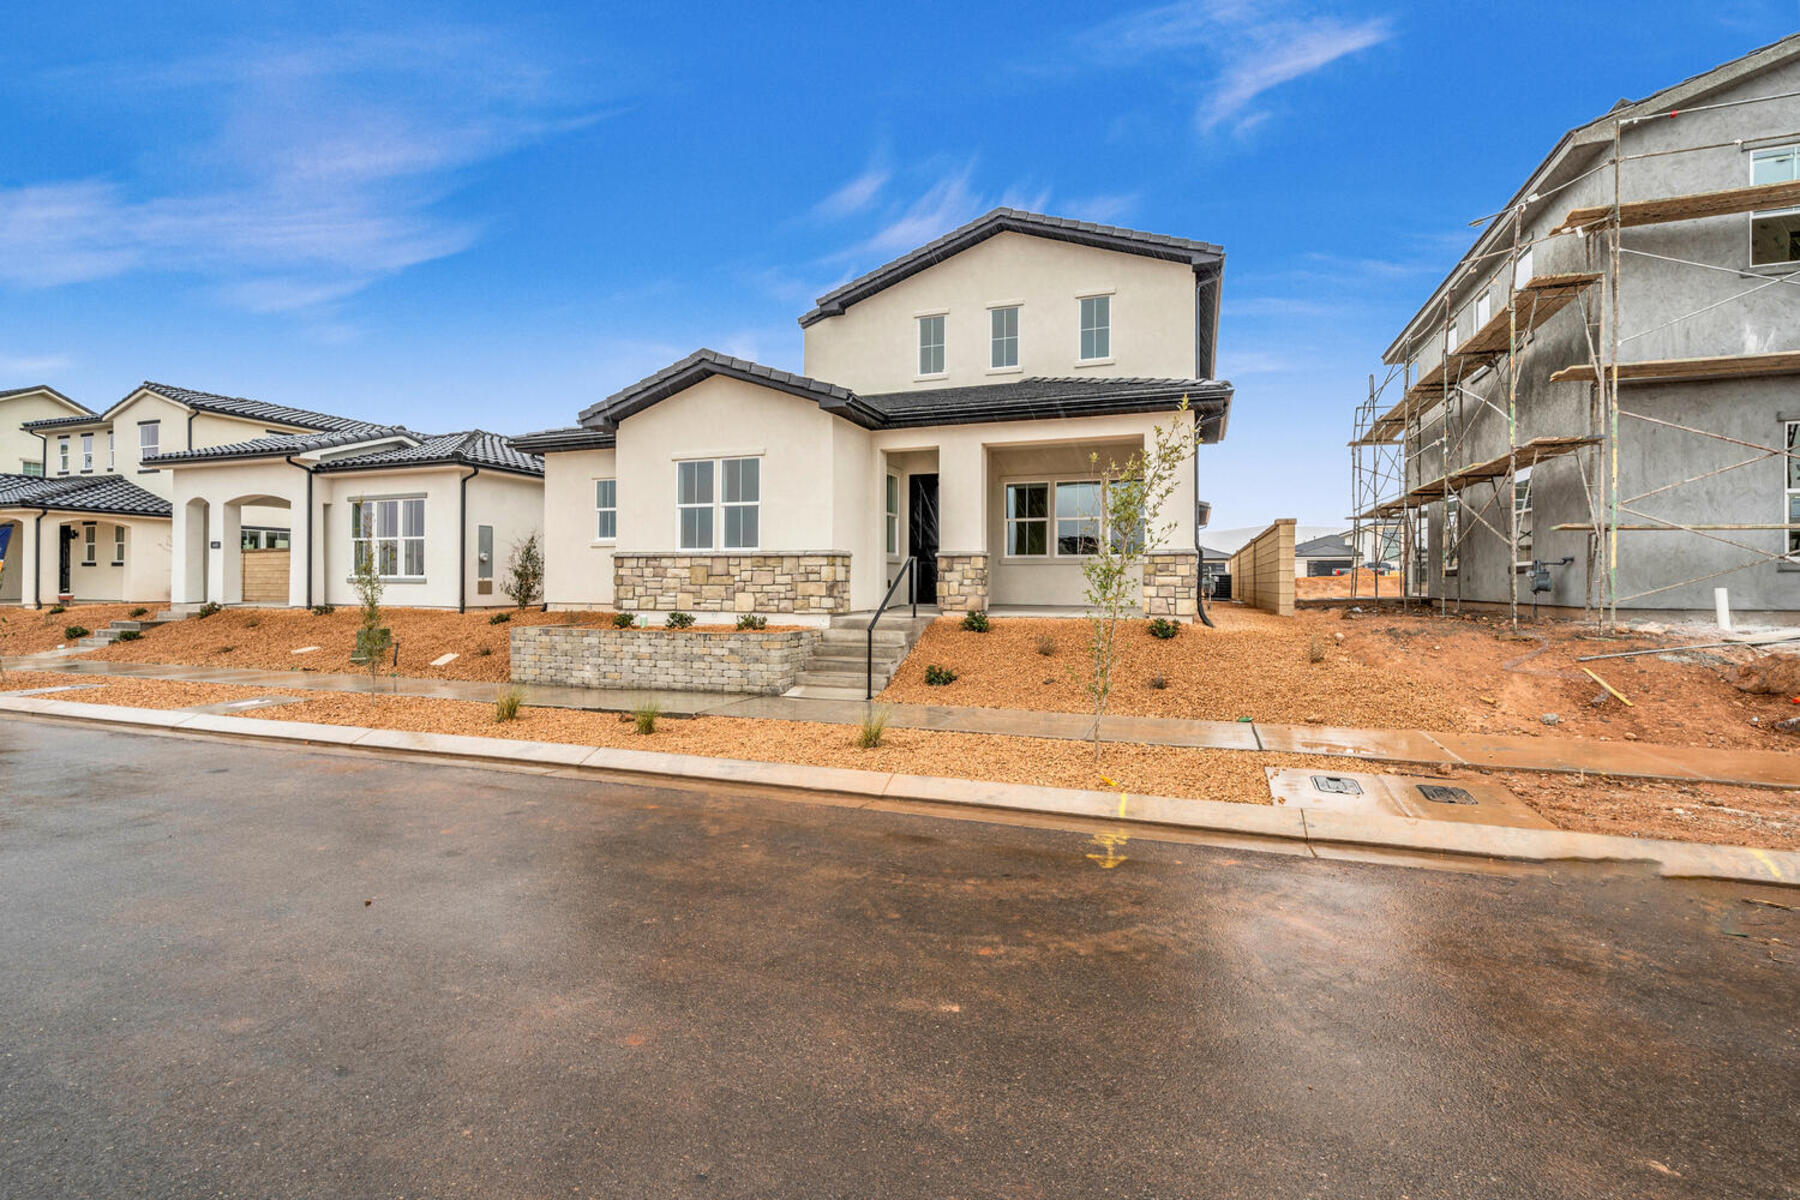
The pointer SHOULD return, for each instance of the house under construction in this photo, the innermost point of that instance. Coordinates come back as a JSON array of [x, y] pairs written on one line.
[[1599, 408]]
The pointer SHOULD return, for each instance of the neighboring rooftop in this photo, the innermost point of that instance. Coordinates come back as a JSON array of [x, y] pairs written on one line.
[[569, 437], [473, 448], [88, 493], [8, 393], [282, 444], [251, 410], [1200, 255]]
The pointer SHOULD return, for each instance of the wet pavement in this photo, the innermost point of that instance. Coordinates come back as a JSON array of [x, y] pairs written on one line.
[[232, 970]]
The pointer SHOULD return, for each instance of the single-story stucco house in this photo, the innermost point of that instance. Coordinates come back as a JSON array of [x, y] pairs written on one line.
[[951, 407]]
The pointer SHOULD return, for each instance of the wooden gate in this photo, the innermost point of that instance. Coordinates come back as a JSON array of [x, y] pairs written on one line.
[[265, 576]]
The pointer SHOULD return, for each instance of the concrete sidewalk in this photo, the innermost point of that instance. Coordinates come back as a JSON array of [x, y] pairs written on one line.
[[1687, 764]]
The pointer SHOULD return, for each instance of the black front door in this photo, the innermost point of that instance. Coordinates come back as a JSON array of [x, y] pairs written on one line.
[[922, 534], [63, 587]]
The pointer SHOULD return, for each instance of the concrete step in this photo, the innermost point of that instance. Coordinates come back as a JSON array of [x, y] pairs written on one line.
[[140, 626], [884, 636], [104, 638], [893, 618], [858, 655], [806, 691], [844, 679]]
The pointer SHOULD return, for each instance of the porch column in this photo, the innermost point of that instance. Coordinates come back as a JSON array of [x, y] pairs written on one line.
[[300, 549], [28, 556], [1171, 583], [187, 551], [962, 525]]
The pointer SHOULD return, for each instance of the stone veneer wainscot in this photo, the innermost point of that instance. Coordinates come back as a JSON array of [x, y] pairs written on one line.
[[962, 582], [811, 581], [1171, 583], [682, 660]]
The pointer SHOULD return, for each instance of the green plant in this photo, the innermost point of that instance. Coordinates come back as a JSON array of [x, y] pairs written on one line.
[[483, 651], [977, 621], [873, 727], [253, 622], [500, 618], [128, 635], [1315, 651], [752, 621], [210, 608], [225, 650], [323, 610], [1046, 645], [624, 620], [57, 608], [72, 632], [1158, 682], [936, 676], [679, 620], [506, 707], [524, 582], [373, 639], [140, 611], [644, 718], [1162, 627]]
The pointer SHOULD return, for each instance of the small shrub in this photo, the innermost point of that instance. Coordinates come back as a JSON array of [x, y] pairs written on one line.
[[500, 618], [1315, 652], [679, 620], [524, 581], [1162, 627], [135, 613], [210, 608], [1046, 645], [752, 621], [977, 621], [644, 719], [873, 727], [483, 651], [323, 610], [624, 620], [253, 622], [506, 707], [128, 635], [72, 632], [936, 676], [1158, 682], [57, 608], [228, 650]]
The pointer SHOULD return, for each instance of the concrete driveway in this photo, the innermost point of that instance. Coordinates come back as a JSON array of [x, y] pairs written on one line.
[[235, 971]]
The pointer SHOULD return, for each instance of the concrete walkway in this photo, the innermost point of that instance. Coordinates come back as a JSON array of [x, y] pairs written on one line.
[[1687, 764]]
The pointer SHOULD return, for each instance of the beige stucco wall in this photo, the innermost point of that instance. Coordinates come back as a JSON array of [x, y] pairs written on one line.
[[143, 577], [17, 446], [578, 567], [873, 346]]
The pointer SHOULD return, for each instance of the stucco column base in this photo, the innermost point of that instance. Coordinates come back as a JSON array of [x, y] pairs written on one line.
[[962, 582]]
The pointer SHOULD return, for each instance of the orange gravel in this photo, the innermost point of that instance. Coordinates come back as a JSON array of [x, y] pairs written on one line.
[[1379, 671], [33, 631]]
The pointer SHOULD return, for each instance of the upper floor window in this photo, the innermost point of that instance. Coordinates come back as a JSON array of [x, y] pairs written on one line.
[[112, 456], [606, 510], [1484, 309], [1522, 270], [32, 467], [931, 345], [149, 439], [1775, 234], [1003, 338], [390, 531], [87, 452], [62, 455], [1096, 327], [1793, 489]]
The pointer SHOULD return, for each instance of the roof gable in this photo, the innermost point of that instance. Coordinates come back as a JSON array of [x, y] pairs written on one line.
[[89, 493], [282, 445], [703, 364], [242, 407], [79, 409], [1202, 256], [473, 448]]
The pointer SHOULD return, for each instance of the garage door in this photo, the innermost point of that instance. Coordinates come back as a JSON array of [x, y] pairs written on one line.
[[265, 576]]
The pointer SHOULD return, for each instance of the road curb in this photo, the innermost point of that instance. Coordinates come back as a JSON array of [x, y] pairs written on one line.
[[1313, 827]]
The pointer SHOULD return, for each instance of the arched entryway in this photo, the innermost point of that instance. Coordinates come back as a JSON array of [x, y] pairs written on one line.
[[260, 531]]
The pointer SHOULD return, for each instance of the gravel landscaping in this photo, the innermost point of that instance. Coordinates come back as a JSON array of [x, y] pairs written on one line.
[[33, 631]]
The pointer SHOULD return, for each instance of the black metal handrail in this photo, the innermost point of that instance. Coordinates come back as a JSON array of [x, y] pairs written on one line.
[[909, 572]]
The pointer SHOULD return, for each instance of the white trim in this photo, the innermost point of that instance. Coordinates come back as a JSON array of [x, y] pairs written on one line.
[[1093, 362], [931, 312], [399, 537], [1051, 553], [1787, 264], [599, 538], [697, 455]]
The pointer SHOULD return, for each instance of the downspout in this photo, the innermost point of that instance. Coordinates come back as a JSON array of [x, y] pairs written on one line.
[[309, 521], [37, 556], [462, 540], [1199, 550]]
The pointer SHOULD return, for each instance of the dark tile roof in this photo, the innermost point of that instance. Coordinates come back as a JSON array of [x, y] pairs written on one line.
[[43, 387], [88, 493], [1332, 545], [282, 444], [1012, 220], [252, 410], [679, 376], [63, 422], [473, 448], [1047, 399], [572, 437]]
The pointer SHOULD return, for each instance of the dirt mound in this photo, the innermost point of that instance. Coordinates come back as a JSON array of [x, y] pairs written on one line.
[[1770, 675]]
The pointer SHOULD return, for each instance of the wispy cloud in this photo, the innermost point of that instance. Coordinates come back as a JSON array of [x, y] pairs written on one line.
[[35, 366], [854, 196], [324, 166], [1253, 47]]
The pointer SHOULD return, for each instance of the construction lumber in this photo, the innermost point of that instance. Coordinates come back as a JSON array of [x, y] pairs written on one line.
[[1524, 455], [1690, 207], [1677, 370]]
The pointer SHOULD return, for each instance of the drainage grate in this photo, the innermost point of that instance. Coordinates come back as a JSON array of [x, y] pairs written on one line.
[[1341, 785], [1444, 795]]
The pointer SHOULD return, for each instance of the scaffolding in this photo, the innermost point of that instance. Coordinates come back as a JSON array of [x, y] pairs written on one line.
[[1411, 437]]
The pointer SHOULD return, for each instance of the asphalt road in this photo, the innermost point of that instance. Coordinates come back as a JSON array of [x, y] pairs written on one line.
[[235, 971]]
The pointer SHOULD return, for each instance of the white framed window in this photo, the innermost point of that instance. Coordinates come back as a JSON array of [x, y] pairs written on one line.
[[1522, 272], [1775, 233], [1027, 520], [31, 467], [1077, 518], [1484, 310], [87, 452], [694, 503], [90, 548], [390, 531], [1096, 327], [149, 439], [118, 545], [606, 510], [62, 455], [741, 499], [893, 514], [112, 454], [1452, 534], [1792, 479], [931, 344], [1522, 505], [1003, 337]]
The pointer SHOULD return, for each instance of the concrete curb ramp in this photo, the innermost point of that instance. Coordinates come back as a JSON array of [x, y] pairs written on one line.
[[1319, 829]]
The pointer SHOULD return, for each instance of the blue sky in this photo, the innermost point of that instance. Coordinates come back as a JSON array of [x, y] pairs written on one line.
[[481, 215]]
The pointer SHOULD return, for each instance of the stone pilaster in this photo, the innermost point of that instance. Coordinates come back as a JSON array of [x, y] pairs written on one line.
[[1171, 583], [962, 582]]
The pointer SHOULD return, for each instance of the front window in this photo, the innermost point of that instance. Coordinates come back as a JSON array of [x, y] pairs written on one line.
[[1775, 234], [734, 507], [1078, 518], [87, 452], [1027, 518], [32, 467], [390, 532], [1793, 489], [149, 439], [1096, 327], [742, 496], [694, 503], [931, 345], [893, 514], [606, 510], [62, 455], [118, 545], [1522, 506], [89, 544], [1004, 337]]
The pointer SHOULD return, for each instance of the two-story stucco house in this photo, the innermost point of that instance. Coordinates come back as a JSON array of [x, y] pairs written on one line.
[[950, 408]]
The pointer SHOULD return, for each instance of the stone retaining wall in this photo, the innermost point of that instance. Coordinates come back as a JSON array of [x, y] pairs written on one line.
[[817, 582], [684, 660], [1171, 583]]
